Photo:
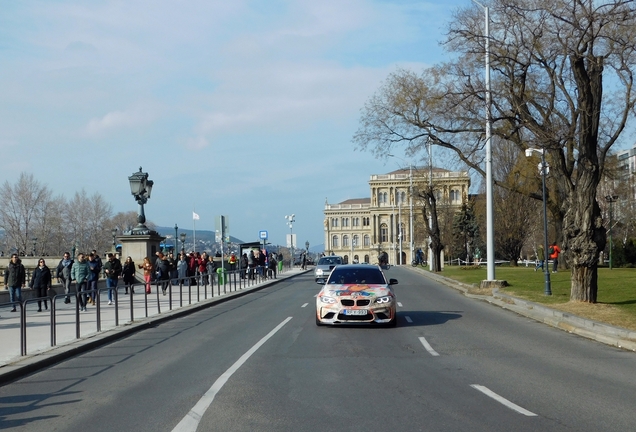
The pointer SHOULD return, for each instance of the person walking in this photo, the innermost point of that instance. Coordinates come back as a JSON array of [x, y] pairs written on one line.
[[93, 277], [147, 267], [304, 263], [553, 252], [113, 269], [128, 275], [232, 260], [182, 268], [163, 272], [15, 279], [63, 274], [210, 268], [41, 282], [80, 273], [540, 258]]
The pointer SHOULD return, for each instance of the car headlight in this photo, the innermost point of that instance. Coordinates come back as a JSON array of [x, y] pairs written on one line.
[[385, 299], [318, 272], [329, 300]]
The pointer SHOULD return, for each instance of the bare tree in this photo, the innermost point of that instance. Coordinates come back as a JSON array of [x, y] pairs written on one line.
[[23, 203], [88, 219], [562, 81]]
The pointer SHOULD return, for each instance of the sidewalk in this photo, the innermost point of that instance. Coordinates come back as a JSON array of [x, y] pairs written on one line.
[[600, 332], [145, 309]]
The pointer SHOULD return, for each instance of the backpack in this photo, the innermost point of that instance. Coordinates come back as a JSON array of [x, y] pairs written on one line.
[[550, 250]]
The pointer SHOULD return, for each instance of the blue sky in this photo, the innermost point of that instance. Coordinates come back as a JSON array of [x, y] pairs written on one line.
[[241, 108]]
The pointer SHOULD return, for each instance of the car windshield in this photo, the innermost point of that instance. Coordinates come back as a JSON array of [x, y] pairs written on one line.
[[332, 260], [344, 275]]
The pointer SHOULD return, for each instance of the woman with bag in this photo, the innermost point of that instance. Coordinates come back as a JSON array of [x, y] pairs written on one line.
[[41, 282], [147, 266], [128, 275]]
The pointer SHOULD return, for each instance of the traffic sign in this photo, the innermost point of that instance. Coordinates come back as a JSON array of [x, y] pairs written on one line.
[[262, 235]]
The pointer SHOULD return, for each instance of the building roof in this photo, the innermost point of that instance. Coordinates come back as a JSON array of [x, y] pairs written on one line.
[[424, 169], [357, 201]]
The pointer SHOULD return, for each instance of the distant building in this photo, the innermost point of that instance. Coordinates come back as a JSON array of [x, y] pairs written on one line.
[[362, 228]]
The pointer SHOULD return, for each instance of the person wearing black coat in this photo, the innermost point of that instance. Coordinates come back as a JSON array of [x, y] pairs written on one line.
[[128, 275], [41, 282]]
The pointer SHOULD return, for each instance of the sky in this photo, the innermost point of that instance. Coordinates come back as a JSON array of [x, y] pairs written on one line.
[[238, 108]]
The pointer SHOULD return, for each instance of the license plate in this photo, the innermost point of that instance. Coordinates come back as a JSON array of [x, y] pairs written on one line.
[[355, 311]]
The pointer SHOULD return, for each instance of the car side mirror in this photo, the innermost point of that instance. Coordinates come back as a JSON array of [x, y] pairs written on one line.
[[393, 282]]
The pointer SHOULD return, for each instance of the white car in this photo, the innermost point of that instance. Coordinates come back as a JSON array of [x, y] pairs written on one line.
[[357, 294], [325, 265]]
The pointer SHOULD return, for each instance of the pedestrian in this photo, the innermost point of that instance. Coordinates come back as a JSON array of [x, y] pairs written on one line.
[[163, 273], [243, 265], [251, 264], [113, 269], [174, 274], [147, 267], [210, 268], [540, 258], [232, 261], [202, 263], [15, 279], [271, 265], [41, 282], [80, 274], [63, 274], [553, 252], [128, 275], [93, 277], [304, 264], [182, 268]]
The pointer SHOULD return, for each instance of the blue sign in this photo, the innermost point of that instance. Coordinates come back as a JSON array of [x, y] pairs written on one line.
[[262, 235]]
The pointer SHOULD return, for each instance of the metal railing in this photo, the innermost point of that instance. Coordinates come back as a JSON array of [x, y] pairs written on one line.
[[179, 292]]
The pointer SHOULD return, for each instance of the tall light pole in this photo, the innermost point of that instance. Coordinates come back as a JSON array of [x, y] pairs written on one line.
[[183, 237], [611, 199], [412, 243], [490, 237], [544, 169], [176, 238], [290, 222]]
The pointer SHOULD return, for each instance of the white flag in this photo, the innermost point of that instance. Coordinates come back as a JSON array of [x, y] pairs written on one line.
[[195, 216]]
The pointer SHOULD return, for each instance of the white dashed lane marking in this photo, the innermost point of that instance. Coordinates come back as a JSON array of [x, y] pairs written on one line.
[[305, 305], [428, 347], [502, 400]]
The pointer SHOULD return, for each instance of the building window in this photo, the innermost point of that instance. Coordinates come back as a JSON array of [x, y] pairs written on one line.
[[334, 222], [345, 241], [366, 259], [384, 197], [367, 240], [384, 233], [334, 242], [355, 222], [345, 222], [366, 221], [356, 241]]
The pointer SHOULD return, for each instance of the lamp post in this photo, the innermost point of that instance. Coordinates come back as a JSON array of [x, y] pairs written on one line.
[[544, 169], [114, 233], [183, 237], [176, 238], [140, 187], [73, 250], [490, 236], [412, 243], [35, 242], [611, 199], [290, 222]]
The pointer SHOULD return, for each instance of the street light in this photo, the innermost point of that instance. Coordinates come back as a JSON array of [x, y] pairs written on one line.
[[183, 237], [611, 199], [114, 233], [35, 242], [290, 222], [140, 187], [176, 238], [490, 236], [410, 208], [544, 169]]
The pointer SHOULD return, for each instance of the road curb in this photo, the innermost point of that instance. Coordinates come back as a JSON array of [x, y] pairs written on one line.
[[590, 329], [45, 358]]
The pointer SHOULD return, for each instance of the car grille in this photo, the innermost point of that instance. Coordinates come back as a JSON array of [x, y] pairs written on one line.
[[350, 302], [342, 317]]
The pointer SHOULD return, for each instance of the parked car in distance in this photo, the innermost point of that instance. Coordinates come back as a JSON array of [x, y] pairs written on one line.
[[357, 294], [325, 265]]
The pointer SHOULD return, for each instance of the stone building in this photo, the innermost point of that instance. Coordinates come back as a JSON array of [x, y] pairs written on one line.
[[362, 228]]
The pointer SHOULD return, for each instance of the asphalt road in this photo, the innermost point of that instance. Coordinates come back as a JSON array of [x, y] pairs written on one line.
[[260, 363]]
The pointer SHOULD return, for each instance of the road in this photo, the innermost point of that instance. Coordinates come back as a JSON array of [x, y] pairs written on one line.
[[453, 363]]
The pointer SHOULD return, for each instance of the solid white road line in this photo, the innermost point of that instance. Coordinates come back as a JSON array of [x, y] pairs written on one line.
[[305, 305], [428, 347], [191, 421], [501, 400], [408, 319]]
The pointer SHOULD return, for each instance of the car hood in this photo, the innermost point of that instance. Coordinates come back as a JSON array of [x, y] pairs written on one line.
[[356, 290]]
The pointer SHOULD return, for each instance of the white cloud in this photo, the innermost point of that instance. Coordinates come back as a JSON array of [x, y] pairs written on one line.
[[116, 120]]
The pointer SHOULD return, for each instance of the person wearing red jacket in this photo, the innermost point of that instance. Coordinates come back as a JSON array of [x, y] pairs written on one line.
[[553, 253]]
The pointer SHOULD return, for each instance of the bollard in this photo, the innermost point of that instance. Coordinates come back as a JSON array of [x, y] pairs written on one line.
[[280, 266]]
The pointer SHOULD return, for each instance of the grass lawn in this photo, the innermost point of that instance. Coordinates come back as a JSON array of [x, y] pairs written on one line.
[[616, 291]]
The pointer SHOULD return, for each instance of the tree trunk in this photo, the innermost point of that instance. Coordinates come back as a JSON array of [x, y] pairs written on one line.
[[584, 284], [432, 228]]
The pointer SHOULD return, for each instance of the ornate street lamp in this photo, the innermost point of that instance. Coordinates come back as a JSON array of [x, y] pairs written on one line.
[[611, 199], [140, 187], [176, 237], [114, 233], [183, 237], [544, 169], [307, 246], [290, 222], [35, 242]]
